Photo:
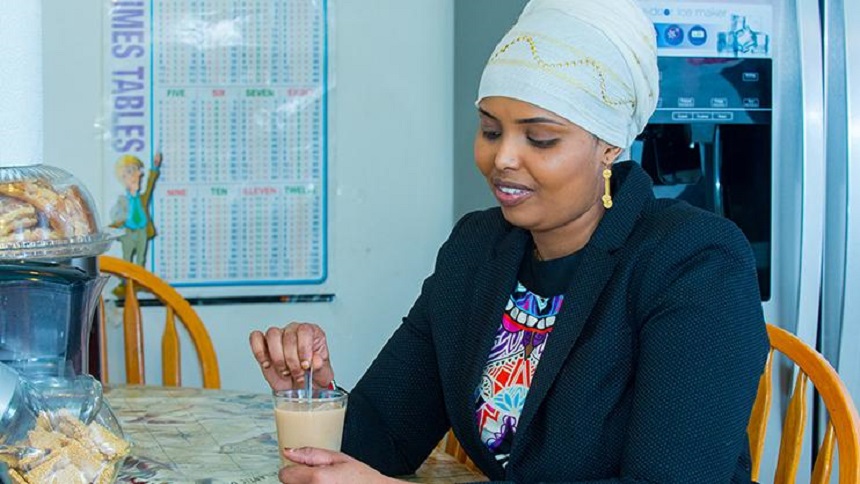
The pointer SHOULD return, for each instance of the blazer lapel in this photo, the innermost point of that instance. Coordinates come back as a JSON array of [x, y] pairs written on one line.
[[493, 285], [591, 276]]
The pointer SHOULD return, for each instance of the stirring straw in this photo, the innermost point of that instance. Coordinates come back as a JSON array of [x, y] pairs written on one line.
[[309, 385]]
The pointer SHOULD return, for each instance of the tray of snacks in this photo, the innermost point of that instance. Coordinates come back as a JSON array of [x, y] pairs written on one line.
[[46, 213], [58, 430]]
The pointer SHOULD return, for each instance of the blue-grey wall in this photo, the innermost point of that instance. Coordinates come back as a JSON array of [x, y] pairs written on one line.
[[478, 26]]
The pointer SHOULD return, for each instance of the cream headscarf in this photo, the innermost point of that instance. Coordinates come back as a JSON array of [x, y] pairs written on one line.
[[593, 62]]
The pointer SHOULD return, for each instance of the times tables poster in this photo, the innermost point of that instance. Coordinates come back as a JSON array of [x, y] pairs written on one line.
[[216, 138]]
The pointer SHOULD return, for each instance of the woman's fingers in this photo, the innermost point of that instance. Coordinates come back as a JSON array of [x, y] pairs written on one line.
[[320, 345], [258, 347], [305, 334], [261, 353], [319, 465], [312, 456], [276, 351], [310, 459], [285, 354], [290, 348]]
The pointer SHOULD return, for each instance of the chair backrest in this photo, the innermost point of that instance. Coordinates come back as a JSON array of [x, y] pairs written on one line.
[[843, 427], [136, 277], [452, 447]]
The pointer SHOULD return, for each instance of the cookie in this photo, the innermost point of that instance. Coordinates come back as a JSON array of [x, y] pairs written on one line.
[[65, 211], [16, 216]]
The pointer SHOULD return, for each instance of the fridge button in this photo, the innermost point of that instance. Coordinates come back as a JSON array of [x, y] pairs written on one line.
[[751, 102], [719, 102], [686, 102]]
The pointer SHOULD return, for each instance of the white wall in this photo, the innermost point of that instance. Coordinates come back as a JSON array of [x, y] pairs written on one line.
[[390, 199]]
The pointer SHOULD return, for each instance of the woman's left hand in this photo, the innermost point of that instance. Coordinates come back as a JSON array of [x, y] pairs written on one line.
[[325, 466]]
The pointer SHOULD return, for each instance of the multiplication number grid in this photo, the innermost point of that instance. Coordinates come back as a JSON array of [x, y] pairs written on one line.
[[238, 111]]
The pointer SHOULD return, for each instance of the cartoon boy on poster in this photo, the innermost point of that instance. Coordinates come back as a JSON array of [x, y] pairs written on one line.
[[131, 210]]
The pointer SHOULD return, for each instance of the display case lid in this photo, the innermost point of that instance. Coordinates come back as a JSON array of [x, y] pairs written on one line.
[[47, 214]]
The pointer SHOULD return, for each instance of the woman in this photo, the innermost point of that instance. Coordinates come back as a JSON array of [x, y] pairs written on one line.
[[583, 331]]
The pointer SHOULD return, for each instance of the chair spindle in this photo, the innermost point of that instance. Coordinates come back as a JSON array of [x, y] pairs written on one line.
[[792, 433], [133, 329], [170, 351]]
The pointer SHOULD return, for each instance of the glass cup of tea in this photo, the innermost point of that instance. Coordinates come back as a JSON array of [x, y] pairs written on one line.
[[309, 419]]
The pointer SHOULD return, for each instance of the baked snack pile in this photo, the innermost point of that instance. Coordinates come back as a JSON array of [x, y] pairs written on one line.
[[64, 450], [33, 210]]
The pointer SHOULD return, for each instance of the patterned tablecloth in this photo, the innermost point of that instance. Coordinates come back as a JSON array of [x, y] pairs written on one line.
[[202, 436]]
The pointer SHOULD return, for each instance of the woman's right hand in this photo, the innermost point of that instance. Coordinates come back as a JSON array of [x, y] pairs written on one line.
[[284, 354]]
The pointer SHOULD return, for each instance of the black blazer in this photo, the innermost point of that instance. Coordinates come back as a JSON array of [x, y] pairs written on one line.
[[649, 376]]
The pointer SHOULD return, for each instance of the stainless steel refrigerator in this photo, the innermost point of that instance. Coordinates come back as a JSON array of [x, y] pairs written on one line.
[[740, 132]]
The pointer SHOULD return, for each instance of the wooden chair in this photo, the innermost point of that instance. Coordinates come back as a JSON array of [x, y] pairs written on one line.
[[843, 428], [452, 447], [137, 277]]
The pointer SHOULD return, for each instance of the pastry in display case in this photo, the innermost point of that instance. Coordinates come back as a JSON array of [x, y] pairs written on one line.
[[46, 213]]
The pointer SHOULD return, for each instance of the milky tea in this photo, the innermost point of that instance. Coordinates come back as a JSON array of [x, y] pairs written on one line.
[[315, 422]]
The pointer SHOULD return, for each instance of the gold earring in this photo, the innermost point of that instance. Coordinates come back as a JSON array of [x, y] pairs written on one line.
[[607, 197]]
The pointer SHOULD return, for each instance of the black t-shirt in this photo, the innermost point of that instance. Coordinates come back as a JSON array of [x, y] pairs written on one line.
[[548, 278]]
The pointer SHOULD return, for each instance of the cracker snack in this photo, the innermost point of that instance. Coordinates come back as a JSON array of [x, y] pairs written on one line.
[[34, 210], [62, 449]]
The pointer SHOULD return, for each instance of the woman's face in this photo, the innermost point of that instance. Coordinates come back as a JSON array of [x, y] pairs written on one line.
[[546, 172]]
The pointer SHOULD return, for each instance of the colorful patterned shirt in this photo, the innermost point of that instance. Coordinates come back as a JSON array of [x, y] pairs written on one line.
[[526, 324]]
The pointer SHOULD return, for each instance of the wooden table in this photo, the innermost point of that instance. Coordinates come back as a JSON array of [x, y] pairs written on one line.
[[202, 436]]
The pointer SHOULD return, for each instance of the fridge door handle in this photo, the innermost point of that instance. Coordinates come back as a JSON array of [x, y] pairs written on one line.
[[849, 319], [813, 180]]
